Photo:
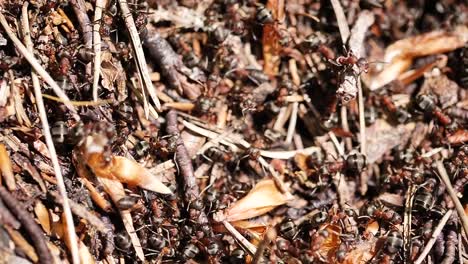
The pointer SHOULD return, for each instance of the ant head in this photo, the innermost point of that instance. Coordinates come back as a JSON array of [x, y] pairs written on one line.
[[363, 64]]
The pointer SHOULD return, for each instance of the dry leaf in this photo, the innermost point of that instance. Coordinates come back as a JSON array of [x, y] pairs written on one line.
[[390, 73], [264, 197], [399, 55], [113, 75], [126, 171], [430, 43], [42, 214], [6, 168]]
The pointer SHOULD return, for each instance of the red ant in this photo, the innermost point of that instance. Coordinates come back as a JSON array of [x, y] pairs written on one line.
[[349, 60]]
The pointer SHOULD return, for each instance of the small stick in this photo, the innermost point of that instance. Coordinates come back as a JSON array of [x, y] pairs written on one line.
[[171, 64], [191, 190], [453, 194], [79, 6], [79, 103], [242, 240], [434, 236], [100, 5], [37, 66], [144, 75], [292, 123], [281, 186], [337, 144], [28, 223], [50, 144], [281, 119], [7, 218]]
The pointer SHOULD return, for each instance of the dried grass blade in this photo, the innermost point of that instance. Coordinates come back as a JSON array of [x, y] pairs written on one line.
[[144, 75]]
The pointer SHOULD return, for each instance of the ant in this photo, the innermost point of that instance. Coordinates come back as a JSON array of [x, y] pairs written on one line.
[[350, 60]]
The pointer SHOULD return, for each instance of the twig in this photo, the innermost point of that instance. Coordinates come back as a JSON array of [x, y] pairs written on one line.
[[79, 6], [6, 218], [292, 123], [281, 119], [79, 103], [50, 144], [144, 75], [100, 5], [28, 223], [191, 190], [281, 186], [453, 194], [242, 240], [434, 236], [37, 67], [337, 144], [171, 64]]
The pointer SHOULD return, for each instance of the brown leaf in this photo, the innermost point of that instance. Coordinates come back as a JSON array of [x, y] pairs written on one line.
[[43, 217], [264, 197], [400, 54], [6, 168], [126, 171], [390, 73], [113, 75], [435, 42]]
